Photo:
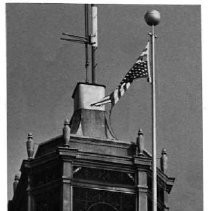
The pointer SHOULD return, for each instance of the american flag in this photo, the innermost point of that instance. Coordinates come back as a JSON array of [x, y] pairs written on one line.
[[141, 69]]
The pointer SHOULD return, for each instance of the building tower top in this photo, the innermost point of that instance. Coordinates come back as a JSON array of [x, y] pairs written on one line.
[[89, 120]]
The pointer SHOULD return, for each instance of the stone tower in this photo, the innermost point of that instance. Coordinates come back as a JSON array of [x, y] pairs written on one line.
[[86, 168]]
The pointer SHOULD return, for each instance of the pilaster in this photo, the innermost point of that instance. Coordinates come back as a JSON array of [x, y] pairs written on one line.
[[67, 189], [141, 199], [165, 200], [30, 200]]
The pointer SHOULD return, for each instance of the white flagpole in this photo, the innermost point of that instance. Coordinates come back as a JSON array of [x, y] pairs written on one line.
[[152, 18], [154, 166]]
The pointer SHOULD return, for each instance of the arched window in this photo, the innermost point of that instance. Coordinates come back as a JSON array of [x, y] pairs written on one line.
[[102, 207]]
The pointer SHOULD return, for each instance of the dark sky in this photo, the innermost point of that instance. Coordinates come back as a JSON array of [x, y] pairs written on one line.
[[42, 72]]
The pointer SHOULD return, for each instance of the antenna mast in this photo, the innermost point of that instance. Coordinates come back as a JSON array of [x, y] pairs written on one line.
[[88, 40], [94, 39], [86, 44]]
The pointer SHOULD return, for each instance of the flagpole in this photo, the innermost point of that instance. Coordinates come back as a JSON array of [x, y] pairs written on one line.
[[154, 166], [153, 18]]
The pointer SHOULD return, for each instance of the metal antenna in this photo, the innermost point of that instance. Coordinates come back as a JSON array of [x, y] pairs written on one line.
[[86, 44], [82, 40], [94, 40]]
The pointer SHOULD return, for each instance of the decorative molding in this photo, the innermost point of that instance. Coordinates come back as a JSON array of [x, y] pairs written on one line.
[[86, 198], [105, 176]]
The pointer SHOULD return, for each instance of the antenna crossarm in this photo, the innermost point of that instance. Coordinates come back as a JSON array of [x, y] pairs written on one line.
[[89, 40], [74, 40], [79, 39], [76, 36]]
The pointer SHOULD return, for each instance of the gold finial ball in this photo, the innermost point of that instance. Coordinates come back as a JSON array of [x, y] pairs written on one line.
[[152, 17], [140, 132], [30, 135], [66, 121], [164, 151], [17, 177]]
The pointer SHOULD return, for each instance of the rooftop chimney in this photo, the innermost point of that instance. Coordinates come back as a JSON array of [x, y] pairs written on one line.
[[89, 120]]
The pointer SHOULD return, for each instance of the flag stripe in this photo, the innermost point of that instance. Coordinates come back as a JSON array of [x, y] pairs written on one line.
[[141, 69], [105, 100]]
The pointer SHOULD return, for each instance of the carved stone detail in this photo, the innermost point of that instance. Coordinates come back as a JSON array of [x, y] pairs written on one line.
[[106, 176], [85, 199]]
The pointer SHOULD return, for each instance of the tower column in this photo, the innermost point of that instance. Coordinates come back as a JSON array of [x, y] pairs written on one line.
[[67, 189], [141, 198], [165, 199], [30, 201]]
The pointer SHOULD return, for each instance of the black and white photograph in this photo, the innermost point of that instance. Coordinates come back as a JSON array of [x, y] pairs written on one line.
[[104, 107]]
